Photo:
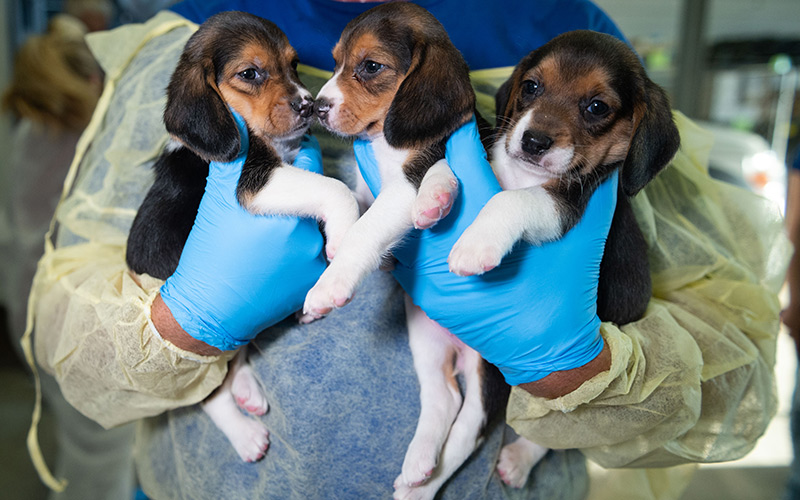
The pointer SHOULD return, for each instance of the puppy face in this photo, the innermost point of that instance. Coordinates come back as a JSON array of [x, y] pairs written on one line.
[[368, 73], [577, 104], [245, 62], [397, 74]]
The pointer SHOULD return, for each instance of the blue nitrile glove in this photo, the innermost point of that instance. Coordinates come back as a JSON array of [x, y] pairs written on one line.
[[240, 273], [536, 312]]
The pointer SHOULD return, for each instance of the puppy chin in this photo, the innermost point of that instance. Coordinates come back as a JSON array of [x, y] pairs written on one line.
[[347, 131], [288, 145], [515, 172]]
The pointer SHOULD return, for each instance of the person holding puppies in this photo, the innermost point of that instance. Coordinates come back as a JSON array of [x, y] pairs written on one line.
[[342, 389]]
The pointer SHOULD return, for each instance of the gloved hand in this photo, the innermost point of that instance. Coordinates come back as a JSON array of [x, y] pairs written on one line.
[[536, 312], [240, 273]]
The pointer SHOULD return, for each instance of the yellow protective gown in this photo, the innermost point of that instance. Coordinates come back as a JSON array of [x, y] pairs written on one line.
[[691, 381]]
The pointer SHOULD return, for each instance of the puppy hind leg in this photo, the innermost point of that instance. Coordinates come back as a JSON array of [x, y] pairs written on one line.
[[249, 437], [245, 388], [440, 397], [517, 459], [436, 195], [465, 435]]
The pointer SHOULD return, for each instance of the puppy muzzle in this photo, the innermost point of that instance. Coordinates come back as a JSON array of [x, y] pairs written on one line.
[[535, 143], [321, 108], [303, 106]]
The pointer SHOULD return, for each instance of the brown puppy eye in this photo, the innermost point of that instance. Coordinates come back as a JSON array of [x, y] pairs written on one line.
[[597, 108], [372, 67], [248, 74], [530, 87]]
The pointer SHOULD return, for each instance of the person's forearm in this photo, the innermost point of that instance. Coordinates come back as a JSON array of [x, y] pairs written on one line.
[[171, 331], [558, 384]]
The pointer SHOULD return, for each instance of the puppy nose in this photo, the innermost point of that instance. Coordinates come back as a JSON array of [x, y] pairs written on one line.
[[321, 107], [303, 105], [535, 143]]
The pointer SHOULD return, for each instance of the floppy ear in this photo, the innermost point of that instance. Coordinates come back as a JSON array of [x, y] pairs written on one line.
[[501, 99], [435, 98], [655, 140], [261, 161], [196, 114]]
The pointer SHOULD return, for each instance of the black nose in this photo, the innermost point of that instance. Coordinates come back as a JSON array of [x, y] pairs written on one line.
[[303, 105], [535, 143], [321, 108]]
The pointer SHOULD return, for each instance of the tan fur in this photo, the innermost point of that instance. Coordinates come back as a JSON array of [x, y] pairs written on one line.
[[557, 113], [368, 102], [267, 110]]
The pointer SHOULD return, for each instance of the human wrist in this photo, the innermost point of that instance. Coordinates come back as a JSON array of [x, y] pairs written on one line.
[[560, 383], [170, 330]]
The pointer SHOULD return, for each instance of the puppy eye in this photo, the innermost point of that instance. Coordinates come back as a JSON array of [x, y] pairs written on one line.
[[372, 67], [597, 108], [530, 87], [249, 74], [295, 62]]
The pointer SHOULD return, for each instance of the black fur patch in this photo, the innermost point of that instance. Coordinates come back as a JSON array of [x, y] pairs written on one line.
[[261, 161], [167, 213]]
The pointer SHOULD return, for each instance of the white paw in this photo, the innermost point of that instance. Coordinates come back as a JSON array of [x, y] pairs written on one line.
[[250, 439], [248, 393], [332, 242], [303, 318], [405, 492], [331, 291], [336, 226], [434, 201], [419, 464], [516, 461], [472, 256]]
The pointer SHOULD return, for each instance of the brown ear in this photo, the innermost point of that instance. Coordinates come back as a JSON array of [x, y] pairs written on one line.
[[196, 114], [435, 98], [655, 140]]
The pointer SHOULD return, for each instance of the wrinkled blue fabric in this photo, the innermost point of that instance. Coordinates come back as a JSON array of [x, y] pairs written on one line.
[[344, 404], [240, 273], [534, 314]]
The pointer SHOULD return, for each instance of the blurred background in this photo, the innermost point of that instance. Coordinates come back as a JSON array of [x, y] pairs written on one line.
[[731, 65]]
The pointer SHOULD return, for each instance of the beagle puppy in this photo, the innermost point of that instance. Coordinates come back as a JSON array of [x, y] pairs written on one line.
[[400, 83], [574, 111], [241, 62], [391, 62]]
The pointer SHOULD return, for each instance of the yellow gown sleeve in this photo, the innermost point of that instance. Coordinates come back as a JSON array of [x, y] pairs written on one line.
[[89, 316], [693, 380]]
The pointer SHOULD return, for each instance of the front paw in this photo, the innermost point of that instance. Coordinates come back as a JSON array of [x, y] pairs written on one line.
[[330, 292], [472, 256], [434, 200]]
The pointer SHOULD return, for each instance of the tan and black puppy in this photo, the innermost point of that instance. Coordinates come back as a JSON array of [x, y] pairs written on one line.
[[243, 63], [574, 111], [240, 62], [400, 84]]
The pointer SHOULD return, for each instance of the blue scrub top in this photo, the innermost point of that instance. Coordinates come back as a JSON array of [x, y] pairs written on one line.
[[489, 34]]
